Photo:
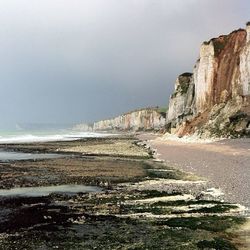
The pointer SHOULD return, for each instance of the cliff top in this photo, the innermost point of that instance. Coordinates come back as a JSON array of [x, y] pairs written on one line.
[[188, 74], [160, 110], [221, 41], [156, 108], [222, 37]]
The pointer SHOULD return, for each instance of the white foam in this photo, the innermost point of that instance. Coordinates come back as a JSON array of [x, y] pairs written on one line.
[[24, 138]]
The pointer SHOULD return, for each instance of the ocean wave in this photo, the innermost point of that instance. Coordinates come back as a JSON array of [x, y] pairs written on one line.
[[24, 138]]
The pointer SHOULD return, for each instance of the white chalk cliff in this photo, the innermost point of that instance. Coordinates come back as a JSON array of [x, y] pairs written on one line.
[[144, 119], [214, 100]]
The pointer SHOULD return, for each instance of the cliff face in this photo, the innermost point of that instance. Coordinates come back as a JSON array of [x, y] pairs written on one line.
[[245, 65], [181, 102], [145, 119], [214, 100]]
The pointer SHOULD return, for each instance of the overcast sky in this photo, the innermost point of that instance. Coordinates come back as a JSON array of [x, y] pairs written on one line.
[[83, 60]]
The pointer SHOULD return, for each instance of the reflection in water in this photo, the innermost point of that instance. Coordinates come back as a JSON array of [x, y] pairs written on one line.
[[45, 191], [12, 156]]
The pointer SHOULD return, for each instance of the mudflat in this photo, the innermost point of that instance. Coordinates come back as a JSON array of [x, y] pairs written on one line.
[[109, 193]]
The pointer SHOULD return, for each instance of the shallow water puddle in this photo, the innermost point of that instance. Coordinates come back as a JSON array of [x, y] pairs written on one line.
[[11, 156], [45, 191]]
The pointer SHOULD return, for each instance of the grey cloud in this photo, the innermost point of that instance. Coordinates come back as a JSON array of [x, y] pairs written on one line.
[[68, 61]]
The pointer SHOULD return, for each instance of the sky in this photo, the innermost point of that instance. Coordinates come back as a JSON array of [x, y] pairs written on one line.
[[70, 61]]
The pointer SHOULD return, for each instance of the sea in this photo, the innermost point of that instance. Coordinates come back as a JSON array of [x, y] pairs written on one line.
[[24, 136], [28, 136]]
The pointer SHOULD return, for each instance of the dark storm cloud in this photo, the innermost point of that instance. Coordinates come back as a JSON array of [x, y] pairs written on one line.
[[75, 60]]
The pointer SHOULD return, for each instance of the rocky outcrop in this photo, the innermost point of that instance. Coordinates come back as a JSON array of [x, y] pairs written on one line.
[[144, 119], [181, 102], [215, 98]]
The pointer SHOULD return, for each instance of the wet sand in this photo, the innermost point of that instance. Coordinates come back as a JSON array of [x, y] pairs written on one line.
[[225, 163]]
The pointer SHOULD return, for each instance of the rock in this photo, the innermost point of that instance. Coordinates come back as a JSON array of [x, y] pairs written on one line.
[[180, 104], [241, 126], [144, 119], [215, 99]]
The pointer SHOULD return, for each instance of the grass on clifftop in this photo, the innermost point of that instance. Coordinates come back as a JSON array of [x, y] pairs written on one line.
[[162, 110]]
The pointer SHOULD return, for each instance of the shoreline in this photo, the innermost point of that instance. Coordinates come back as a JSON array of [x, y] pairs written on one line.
[[140, 203], [224, 162]]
